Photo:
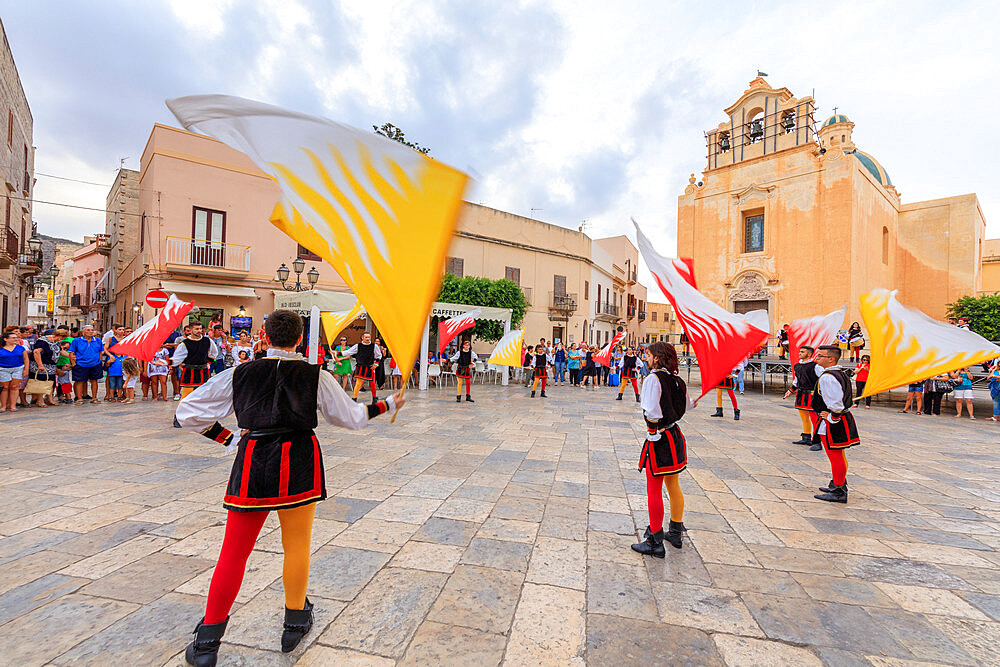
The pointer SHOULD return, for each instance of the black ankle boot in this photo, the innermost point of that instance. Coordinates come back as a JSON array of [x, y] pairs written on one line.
[[815, 447], [830, 487], [651, 546], [717, 413], [736, 414], [298, 623], [638, 399], [468, 399], [837, 494], [458, 399], [177, 424], [532, 394], [673, 535], [804, 439], [204, 650], [543, 394], [619, 397]]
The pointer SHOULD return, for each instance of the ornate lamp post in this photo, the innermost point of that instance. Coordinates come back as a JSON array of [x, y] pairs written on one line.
[[312, 276]]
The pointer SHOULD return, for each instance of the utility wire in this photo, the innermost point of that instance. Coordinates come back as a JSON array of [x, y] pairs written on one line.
[[75, 180], [85, 208]]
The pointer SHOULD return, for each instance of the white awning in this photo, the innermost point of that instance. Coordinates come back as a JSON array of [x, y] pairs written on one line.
[[214, 290], [302, 302]]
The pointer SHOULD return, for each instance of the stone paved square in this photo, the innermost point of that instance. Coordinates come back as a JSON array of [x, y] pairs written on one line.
[[498, 533]]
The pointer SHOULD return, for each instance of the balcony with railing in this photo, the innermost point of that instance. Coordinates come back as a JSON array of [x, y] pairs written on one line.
[[76, 301], [526, 291], [202, 256], [8, 247], [102, 244], [101, 296], [642, 315], [607, 312], [29, 263], [561, 306]]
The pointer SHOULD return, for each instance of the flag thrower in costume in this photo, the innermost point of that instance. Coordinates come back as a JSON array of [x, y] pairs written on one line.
[[604, 356], [448, 329], [381, 213], [720, 339], [146, 341], [508, 350], [908, 346], [814, 331], [337, 320]]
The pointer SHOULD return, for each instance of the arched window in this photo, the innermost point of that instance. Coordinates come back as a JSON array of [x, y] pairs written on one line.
[[885, 245]]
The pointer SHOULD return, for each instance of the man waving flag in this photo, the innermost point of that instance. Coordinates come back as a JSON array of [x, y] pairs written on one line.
[[720, 339], [381, 213]]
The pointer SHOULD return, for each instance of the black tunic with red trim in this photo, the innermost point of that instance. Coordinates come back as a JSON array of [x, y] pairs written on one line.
[[805, 384], [365, 357], [628, 367], [464, 367], [668, 454], [541, 362], [843, 432], [278, 464], [729, 382], [196, 367]]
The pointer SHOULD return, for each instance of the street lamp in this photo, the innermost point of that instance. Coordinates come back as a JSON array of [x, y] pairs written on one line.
[[243, 311], [298, 266], [53, 271], [35, 243]]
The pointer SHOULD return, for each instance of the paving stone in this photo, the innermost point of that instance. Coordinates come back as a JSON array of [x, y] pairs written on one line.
[[439, 644], [404, 508], [428, 556], [920, 637], [549, 627], [464, 509], [32, 566], [148, 578], [258, 623], [23, 599], [613, 640], [612, 523], [558, 563], [386, 614], [31, 541], [446, 531], [339, 573], [106, 562], [712, 609], [478, 597], [843, 590], [738, 651], [320, 656], [509, 529], [499, 554], [931, 601], [619, 590], [375, 535], [988, 604], [978, 639], [350, 510]]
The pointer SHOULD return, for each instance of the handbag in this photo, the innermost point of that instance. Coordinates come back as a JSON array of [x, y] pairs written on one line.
[[944, 386], [39, 387]]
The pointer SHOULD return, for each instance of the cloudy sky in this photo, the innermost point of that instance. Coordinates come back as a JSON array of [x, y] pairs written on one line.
[[584, 111]]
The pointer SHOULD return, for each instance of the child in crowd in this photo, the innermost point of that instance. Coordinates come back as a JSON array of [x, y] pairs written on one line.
[[63, 374], [157, 370], [130, 372], [116, 384]]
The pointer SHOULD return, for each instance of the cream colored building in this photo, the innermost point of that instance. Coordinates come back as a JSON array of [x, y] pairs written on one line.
[[800, 222], [122, 235], [991, 267], [661, 324]]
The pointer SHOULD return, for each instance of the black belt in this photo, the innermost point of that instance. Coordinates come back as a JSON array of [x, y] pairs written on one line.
[[196, 367], [261, 433]]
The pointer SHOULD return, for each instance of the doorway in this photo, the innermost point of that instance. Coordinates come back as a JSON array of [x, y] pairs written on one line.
[[557, 335], [743, 307]]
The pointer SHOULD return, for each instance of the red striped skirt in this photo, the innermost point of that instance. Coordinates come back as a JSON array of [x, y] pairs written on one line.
[[666, 456], [194, 377], [276, 472], [803, 399], [841, 434], [365, 373], [463, 372]]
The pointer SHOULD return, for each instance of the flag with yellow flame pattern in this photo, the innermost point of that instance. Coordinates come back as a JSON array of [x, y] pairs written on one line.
[[379, 212]]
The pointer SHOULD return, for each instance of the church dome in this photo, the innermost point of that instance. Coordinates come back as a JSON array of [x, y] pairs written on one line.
[[835, 118], [873, 166]]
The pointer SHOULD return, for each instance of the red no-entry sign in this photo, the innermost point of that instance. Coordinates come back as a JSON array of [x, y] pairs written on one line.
[[157, 298]]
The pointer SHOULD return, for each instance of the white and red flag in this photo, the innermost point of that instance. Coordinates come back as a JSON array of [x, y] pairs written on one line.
[[448, 329], [720, 339], [685, 267], [147, 340], [813, 332], [604, 356]]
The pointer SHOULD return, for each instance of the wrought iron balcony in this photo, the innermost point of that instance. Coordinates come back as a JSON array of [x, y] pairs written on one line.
[[606, 311], [29, 263], [199, 254], [101, 296], [76, 301], [102, 243], [564, 303], [642, 315], [526, 291]]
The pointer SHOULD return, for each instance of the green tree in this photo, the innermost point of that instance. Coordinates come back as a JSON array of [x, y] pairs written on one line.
[[983, 313], [475, 291], [390, 131]]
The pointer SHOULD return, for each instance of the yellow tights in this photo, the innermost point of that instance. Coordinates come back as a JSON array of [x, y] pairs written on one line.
[[807, 426], [296, 536], [673, 484]]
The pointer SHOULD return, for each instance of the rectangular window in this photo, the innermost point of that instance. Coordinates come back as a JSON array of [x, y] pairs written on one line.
[[10, 128], [652, 316], [559, 284], [753, 240], [586, 290], [208, 234], [7, 219], [512, 274], [303, 252], [598, 295], [456, 266], [142, 232]]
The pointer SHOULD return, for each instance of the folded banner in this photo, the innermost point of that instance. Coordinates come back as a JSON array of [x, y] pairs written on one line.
[[908, 346], [685, 267], [813, 332], [448, 329], [337, 320], [604, 356], [146, 341], [379, 212], [508, 350], [720, 339]]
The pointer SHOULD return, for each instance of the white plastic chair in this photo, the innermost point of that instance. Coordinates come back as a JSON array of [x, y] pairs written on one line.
[[479, 368], [434, 372]]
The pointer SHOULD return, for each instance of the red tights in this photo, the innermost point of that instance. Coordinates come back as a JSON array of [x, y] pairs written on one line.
[[242, 529], [838, 462], [718, 397], [635, 387], [654, 499]]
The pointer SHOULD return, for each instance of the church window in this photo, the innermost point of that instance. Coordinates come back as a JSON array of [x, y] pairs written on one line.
[[755, 130], [724, 143], [753, 239], [885, 245], [788, 121]]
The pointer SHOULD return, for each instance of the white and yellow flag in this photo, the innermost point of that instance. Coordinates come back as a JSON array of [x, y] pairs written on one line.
[[508, 350], [336, 321], [379, 212], [908, 346]]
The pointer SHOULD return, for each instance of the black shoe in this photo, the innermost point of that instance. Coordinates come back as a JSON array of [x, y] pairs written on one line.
[[638, 399], [458, 399], [468, 399], [717, 413], [652, 545], [673, 535], [177, 424], [830, 487], [532, 394], [815, 447], [837, 494], [298, 623], [543, 394], [736, 414], [355, 399], [806, 439], [619, 397], [204, 650]]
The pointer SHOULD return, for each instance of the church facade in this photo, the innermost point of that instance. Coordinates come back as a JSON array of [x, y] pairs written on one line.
[[800, 221]]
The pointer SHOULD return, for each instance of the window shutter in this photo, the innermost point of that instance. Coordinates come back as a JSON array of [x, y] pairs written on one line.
[[513, 274], [456, 266], [559, 284]]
